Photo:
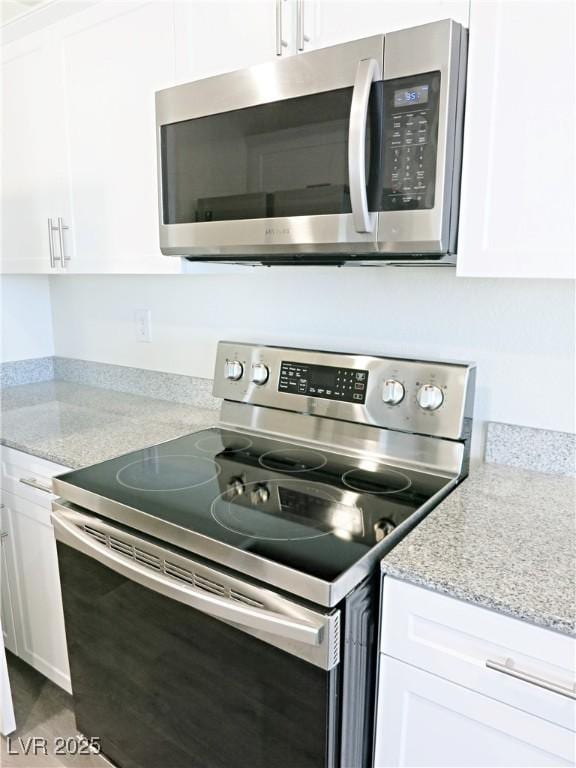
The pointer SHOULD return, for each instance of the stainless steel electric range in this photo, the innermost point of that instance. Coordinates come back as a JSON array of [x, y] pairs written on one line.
[[220, 590]]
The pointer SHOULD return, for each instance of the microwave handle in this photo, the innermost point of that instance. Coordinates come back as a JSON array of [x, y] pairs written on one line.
[[367, 72]]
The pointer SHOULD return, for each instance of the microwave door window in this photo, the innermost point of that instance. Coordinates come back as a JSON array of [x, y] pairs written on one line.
[[287, 158]]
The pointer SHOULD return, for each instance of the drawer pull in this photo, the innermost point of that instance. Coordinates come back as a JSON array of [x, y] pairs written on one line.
[[33, 483], [508, 669], [3, 535]]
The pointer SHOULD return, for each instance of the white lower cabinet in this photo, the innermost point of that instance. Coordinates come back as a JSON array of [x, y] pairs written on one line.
[[32, 615], [424, 720], [6, 584], [460, 685]]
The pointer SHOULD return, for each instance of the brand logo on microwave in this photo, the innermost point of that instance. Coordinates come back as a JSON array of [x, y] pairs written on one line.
[[276, 231]]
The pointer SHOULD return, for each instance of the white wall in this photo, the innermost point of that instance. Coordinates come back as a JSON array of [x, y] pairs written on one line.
[[520, 332], [25, 317]]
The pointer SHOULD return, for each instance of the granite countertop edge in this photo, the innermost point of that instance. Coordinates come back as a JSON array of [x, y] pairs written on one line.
[[558, 624]]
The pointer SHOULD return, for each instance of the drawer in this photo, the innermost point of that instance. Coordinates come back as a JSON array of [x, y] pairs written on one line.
[[27, 476], [423, 720], [477, 648]]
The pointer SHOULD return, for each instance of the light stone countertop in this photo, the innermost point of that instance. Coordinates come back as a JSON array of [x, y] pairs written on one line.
[[77, 425], [505, 539]]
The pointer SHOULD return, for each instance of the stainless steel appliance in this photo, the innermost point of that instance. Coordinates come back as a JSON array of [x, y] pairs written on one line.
[[220, 590], [347, 153]]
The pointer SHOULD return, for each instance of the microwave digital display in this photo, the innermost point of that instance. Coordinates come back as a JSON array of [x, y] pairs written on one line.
[[408, 96]]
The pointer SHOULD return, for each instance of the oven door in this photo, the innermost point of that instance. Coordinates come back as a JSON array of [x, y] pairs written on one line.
[[177, 664], [281, 158]]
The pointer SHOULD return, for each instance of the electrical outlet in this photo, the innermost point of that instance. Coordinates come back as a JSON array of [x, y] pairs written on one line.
[[143, 321]]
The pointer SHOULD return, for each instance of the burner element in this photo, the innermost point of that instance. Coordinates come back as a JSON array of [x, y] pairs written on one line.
[[171, 472], [223, 443], [379, 482], [292, 460], [290, 510]]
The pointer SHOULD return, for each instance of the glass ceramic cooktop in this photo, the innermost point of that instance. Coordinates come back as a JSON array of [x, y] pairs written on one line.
[[311, 510]]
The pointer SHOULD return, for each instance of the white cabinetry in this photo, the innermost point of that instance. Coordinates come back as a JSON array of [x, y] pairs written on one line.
[[424, 720], [216, 37], [32, 616], [440, 704], [33, 155], [113, 57], [518, 186], [328, 23], [7, 602]]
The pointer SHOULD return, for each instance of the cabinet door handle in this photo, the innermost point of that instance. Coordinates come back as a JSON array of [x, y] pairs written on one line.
[[33, 483], [61, 227], [301, 37], [280, 42], [508, 669], [51, 229], [3, 535]]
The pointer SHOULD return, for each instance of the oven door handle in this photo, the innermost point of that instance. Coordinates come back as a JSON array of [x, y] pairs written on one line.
[[225, 609], [367, 72]]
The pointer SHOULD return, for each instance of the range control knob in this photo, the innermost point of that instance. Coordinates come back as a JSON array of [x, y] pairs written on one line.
[[235, 487], [392, 392], [260, 494], [260, 373], [233, 370], [430, 397]]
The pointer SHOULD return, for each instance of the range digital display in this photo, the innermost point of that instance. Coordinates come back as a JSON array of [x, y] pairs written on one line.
[[345, 384], [407, 96]]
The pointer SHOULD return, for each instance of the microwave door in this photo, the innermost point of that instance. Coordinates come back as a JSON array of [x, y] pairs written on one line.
[[274, 160]]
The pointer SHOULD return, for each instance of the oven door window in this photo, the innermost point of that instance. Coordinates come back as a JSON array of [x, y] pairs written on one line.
[[286, 158], [162, 684]]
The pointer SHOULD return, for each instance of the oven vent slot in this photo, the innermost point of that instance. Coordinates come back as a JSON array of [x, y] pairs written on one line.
[[169, 568], [335, 641], [120, 546], [194, 579], [145, 558], [96, 534], [240, 598], [209, 586]]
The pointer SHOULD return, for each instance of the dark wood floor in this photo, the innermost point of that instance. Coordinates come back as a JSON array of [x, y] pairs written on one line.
[[43, 710]]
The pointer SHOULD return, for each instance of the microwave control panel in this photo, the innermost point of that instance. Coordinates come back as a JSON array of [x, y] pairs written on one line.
[[410, 141], [345, 384]]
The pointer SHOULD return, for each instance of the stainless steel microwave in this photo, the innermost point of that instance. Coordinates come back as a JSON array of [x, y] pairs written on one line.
[[347, 153]]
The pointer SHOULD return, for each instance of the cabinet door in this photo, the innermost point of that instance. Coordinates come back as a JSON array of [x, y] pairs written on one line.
[[6, 583], [113, 57], [35, 589], [216, 37], [33, 152], [423, 720], [517, 210], [327, 22]]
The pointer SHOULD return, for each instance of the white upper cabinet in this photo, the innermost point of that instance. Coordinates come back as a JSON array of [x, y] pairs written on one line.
[[33, 155], [517, 209], [113, 57], [327, 22], [216, 37]]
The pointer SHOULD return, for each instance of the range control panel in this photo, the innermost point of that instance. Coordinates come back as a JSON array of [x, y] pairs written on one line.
[[411, 138], [425, 397], [333, 383]]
